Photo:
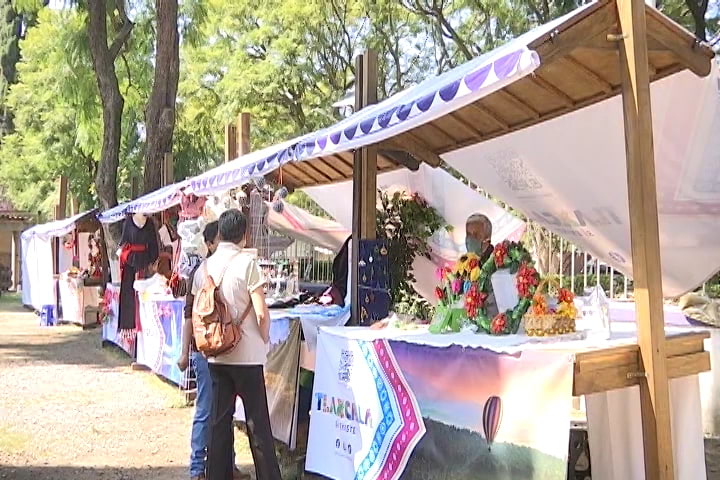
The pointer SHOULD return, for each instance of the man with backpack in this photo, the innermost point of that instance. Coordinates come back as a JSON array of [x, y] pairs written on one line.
[[231, 326], [200, 434]]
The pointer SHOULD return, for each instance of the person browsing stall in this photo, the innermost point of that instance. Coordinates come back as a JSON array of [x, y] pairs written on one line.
[[240, 371], [200, 433]]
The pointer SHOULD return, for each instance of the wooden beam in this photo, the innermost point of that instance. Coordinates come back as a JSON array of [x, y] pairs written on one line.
[[519, 104], [494, 117], [407, 142], [644, 236], [549, 87], [230, 142], [74, 206], [61, 211], [695, 56], [588, 24], [585, 71], [242, 134]]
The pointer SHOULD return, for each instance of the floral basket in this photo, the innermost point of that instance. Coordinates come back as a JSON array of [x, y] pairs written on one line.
[[542, 320]]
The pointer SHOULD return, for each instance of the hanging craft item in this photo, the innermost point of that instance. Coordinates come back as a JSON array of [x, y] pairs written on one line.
[[374, 285], [464, 290]]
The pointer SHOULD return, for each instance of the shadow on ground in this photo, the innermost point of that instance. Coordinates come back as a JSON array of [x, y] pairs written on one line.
[[79, 473]]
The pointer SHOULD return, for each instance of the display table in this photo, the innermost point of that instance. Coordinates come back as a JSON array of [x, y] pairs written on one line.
[[75, 298], [450, 405]]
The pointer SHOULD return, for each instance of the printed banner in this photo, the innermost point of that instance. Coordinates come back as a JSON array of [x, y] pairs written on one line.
[[364, 419], [160, 341], [282, 380], [485, 415]]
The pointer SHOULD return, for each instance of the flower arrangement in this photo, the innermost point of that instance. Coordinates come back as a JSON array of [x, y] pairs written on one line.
[[544, 320], [464, 291]]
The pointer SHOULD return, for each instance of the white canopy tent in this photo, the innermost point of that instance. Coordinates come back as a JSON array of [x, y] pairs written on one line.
[[38, 283]]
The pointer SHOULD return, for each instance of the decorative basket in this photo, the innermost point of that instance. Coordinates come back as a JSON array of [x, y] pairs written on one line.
[[547, 323]]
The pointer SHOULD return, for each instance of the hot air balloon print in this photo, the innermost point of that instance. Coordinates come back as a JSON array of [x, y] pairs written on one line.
[[492, 416]]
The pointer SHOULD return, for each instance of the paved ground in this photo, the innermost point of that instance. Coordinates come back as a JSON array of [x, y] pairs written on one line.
[[71, 410]]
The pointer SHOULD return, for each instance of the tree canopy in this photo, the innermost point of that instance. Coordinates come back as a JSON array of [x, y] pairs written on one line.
[[284, 61]]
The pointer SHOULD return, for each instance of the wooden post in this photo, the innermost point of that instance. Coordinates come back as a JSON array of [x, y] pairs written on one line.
[[242, 134], [230, 142], [364, 176], [654, 394], [74, 206], [61, 211], [15, 261], [167, 170], [134, 186]]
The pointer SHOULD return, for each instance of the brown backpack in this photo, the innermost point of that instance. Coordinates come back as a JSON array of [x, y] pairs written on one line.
[[214, 331]]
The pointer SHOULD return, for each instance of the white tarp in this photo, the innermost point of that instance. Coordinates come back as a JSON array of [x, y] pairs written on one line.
[[452, 199], [569, 175], [38, 285], [300, 224]]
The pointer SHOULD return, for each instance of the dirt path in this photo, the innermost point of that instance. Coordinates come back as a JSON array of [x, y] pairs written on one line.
[[70, 409]]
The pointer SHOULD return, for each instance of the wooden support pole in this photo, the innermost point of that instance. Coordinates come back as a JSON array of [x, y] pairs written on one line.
[[369, 154], [168, 170], [74, 205], [242, 133], [364, 176], [134, 186], [15, 261], [231, 152], [644, 234], [61, 211]]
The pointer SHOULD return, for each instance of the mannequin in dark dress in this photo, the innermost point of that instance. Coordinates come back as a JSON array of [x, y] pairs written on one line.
[[138, 251]]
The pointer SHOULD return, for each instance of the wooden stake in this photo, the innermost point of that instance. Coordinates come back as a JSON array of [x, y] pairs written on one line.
[[356, 206], [230, 143], [61, 211], [168, 169], [654, 395], [242, 133]]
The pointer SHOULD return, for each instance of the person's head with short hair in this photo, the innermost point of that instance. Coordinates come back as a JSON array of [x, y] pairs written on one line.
[[478, 233], [211, 237], [232, 225]]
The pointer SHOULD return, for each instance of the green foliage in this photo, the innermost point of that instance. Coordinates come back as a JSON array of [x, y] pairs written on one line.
[[405, 223], [57, 114]]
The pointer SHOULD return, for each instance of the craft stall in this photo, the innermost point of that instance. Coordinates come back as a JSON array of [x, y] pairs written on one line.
[[63, 269], [454, 398]]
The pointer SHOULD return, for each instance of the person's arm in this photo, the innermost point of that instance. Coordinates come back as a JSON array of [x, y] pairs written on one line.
[[261, 311], [187, 332]]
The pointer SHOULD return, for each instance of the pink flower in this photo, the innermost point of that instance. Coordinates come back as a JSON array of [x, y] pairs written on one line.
[[457, 285]]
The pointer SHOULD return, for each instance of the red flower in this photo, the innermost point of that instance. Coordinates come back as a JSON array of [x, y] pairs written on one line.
[[500, 252], [565, 296], [498, 324], [439, 293], [473, 263]]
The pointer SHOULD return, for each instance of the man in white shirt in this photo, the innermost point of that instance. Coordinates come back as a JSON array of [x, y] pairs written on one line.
[[239, 371]]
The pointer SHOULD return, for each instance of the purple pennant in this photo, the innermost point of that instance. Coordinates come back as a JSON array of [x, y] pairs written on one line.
[[335, 137], [309, 146], [448, 92], [476, 79], [385, 117], [350, 131], [261, 165], [404, 110], [426, 102], [505, 65], [366, 125], [322, 141]]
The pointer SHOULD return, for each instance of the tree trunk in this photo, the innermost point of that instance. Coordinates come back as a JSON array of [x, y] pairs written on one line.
[[160, 112], [103, 58]]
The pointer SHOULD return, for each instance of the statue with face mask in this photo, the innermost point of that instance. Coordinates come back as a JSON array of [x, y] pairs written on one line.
[[478, 235]]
